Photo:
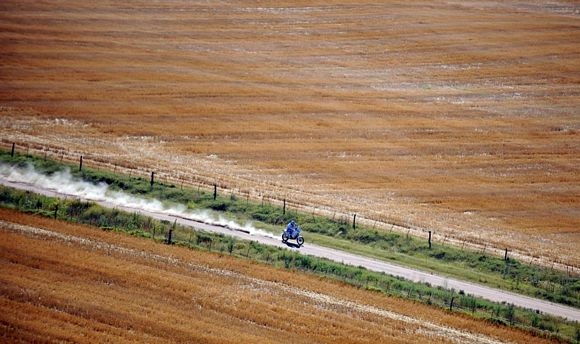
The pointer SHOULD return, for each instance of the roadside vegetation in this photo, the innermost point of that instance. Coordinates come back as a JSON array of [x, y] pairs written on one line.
[[141, 226], [476, 266]]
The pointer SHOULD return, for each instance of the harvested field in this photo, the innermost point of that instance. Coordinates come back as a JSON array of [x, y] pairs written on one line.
[[456, 116], [62, 282]]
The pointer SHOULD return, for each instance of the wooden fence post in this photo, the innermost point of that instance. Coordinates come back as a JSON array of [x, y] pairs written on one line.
[[214, 192], [354, 222], [505, 257], [429, 239], [13, 147], [152, 179], [81, 164], [169, 237], [284, 207]]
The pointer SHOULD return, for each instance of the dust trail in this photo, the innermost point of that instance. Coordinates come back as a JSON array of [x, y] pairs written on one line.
[[63, 182]]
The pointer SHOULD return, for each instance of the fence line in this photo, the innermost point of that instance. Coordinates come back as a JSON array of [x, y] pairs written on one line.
[[386, 222]]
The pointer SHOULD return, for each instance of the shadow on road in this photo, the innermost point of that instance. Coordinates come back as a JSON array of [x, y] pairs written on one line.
[[293, 245]]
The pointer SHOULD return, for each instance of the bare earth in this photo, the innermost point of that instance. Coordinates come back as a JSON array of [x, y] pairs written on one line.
[[456, 116], [61, 282]]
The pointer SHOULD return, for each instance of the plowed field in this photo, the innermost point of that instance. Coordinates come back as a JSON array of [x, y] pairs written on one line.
[[457, 116]]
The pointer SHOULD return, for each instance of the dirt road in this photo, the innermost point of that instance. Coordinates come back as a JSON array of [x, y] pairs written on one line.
[[338, 256]]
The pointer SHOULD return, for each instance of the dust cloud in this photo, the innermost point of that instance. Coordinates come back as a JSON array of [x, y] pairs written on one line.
[[64, 183]]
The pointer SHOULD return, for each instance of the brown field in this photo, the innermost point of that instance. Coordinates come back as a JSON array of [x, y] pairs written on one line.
[[458, 116], [68, 283]]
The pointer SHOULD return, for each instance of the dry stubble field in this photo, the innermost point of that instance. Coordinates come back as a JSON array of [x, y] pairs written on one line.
[[457, 116], [66, 283]]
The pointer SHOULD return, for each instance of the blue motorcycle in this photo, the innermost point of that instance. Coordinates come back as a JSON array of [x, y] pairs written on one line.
[[293, 232]]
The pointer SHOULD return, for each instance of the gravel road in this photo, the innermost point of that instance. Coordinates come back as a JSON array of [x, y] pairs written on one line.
[[341, 256]]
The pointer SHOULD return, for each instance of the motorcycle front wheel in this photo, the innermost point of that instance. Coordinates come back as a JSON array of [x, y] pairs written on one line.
[[300, 241]]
